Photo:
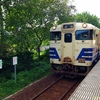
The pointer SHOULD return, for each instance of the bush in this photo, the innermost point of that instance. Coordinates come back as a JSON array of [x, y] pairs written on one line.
[[23, 78], [7, 68], [8, 88], [45, 55], [38, 70], [25, 60]]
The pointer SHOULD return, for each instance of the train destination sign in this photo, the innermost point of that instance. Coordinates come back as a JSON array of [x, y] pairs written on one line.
[[67, 26]]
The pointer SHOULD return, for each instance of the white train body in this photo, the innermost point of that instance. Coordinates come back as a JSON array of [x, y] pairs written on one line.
[[74, 47]]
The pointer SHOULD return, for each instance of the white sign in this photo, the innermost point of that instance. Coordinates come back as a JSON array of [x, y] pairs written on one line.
[[0, 64], [14, 60]]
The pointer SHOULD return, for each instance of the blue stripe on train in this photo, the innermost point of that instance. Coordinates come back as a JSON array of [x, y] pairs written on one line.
[[53, 53], [86, 53]]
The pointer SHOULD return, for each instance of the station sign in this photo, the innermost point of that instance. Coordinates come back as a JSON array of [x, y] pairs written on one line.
[[14, 60], [0, 64]]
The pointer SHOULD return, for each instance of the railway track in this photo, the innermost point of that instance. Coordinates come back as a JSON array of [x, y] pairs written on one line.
[[58, 90], [53, 87]]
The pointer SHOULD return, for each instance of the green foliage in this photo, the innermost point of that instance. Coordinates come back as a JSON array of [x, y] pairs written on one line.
[[7, 68], [24, 78], [45, 55], [38, 70], [8, 87], [25, 59], [28, 23], [88, 18]]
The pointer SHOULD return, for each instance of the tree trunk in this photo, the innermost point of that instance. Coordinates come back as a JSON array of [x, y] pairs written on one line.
[[1, 32]]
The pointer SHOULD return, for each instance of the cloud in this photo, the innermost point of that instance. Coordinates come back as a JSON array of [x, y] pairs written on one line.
[[91, 6]]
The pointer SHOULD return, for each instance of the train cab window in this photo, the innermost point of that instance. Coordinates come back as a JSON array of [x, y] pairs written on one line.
[[84, 35], [55, 35], [68, 37]]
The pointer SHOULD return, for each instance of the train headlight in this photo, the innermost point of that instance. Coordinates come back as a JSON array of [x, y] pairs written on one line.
[[84, 25], [81, 60], [54, 27]]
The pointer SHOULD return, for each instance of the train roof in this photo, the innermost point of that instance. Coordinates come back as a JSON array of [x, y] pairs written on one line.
[[78, 25], [89, 26]]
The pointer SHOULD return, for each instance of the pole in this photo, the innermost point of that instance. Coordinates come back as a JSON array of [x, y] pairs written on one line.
[[15, 72]]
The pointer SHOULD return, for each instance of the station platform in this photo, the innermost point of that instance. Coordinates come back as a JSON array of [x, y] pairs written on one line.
[[89, 88]]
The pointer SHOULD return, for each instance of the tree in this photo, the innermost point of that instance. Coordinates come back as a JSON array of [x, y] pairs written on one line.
[[4, 41], [28, 23], [88, 18]]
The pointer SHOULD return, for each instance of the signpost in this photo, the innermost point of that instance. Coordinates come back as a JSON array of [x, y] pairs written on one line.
[[0, 64], [15, 63]]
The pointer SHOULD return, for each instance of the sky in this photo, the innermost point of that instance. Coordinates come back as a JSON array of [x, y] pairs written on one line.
[[91, 6]]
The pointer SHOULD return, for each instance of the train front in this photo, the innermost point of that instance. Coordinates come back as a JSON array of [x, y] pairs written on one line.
[[73, 48]]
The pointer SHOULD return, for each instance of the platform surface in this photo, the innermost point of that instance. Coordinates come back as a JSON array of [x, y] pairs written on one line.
[[89, 88]]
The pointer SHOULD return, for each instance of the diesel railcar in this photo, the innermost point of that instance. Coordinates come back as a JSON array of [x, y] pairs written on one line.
[[74, 46]]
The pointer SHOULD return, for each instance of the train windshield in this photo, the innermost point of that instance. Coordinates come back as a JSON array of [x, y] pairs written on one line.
[[55, 35], [84, 35]]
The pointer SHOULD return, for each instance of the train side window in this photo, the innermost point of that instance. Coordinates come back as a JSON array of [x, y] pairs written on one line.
[[68, 37]]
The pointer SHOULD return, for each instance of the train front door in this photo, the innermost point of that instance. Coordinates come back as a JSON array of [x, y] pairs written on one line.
[[68, 45]]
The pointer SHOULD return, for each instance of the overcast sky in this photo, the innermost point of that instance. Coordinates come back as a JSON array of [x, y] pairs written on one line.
[[91, 6]]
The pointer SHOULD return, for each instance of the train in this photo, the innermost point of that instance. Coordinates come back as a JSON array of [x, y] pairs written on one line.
[[74, 47]]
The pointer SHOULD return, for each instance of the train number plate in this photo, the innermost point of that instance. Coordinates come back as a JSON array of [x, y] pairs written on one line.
[[81, 60]]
